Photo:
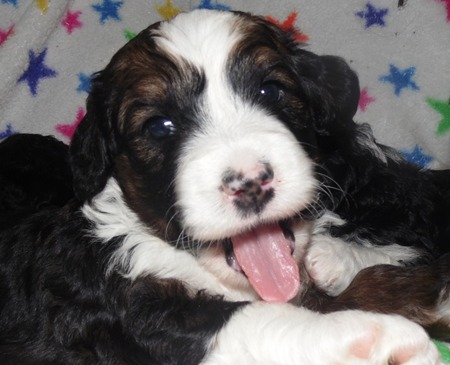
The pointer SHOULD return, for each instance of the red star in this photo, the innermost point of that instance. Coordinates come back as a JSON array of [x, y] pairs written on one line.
[[365, 99], [5, 34], [447, 6], [71, 21], [289, 26], [67, 130]]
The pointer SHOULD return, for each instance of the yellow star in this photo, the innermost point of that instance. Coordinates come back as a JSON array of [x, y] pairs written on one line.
[[168, 10], [42, 4]]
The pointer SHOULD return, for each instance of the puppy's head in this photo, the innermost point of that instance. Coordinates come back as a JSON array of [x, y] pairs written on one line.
[[209, 122]]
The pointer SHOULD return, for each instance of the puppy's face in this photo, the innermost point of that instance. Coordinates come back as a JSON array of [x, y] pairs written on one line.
[[209, 123]]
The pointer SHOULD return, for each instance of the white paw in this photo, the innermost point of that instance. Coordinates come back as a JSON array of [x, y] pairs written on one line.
[[376, 339], [331, 264], [280, 334]]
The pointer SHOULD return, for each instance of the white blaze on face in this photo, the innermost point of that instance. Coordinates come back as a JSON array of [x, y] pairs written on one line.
[[232, 135]]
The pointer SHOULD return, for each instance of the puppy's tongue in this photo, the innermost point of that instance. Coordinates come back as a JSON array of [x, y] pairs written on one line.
[[264, 255]]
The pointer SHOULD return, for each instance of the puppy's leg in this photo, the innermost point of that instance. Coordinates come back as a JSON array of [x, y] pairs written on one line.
[[332, 263], [421, 294], [263, 333]]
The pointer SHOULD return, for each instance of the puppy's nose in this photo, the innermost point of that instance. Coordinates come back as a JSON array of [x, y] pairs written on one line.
[[250, 190]]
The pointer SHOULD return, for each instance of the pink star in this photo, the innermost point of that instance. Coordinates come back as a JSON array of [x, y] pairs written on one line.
[[71, 21], [447, 6], [67, 130], [5, 34], [365, 99]]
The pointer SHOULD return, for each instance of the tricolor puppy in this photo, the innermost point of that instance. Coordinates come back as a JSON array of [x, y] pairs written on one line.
[[194, 166]]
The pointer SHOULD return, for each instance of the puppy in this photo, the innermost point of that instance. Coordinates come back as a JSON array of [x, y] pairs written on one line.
[[193, 171]]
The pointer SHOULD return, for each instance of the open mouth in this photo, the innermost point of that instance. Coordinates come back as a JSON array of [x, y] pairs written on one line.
[[264, 256]]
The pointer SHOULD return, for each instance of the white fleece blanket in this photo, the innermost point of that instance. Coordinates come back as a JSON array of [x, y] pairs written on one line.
[[400, 50]]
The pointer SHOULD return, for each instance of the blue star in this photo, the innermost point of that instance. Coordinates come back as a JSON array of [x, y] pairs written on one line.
[[36, 70], [417, 157], [13, 2], [373, 16], [206, 4], [85, 83], [108, 9], [401, 79], [7, 132]]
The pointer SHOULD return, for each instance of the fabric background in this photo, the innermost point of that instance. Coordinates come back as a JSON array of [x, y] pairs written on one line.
[[400, 50]]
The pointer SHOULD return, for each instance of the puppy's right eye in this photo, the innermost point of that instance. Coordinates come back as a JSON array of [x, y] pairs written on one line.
[[160, 127], [271, 92]]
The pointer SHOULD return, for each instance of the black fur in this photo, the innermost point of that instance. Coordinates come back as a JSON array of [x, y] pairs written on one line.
[[59, 304], [34, 174], [385, 202]]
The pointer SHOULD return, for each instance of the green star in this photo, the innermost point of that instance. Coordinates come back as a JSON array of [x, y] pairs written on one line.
[[129, 35], [442, 107]]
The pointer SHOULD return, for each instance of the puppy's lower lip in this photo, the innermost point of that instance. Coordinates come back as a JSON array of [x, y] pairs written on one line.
[[230, 256], [289, 236]]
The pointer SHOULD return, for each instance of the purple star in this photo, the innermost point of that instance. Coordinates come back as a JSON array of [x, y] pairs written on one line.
[[400, 79], [417, 157], [373, 16], [36, 71], [108, 9], [7, 132]]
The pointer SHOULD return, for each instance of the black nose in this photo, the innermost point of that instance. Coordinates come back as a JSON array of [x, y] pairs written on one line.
[[250, 190]]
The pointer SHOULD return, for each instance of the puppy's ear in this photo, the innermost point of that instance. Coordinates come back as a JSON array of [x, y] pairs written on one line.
[[93, 146], [342, 85], [332, 88]]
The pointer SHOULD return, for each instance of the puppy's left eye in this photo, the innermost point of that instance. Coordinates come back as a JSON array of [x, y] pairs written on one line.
[[271, 92], [160, 127]]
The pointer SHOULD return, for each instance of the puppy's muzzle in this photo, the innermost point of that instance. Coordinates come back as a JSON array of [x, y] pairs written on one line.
[[249, 190]]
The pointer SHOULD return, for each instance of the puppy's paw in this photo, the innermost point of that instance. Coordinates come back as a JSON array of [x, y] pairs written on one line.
[[279, 334], [331, 264], [373, 339]]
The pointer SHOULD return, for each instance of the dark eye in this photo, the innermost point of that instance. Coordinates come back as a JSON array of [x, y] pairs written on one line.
[[160, 127], [271, 92]]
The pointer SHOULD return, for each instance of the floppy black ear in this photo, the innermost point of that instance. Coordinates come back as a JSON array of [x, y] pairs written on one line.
[[332, 88], [93, 146], [342, 85]]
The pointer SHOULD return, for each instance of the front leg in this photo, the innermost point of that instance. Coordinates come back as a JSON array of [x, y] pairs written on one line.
[[333, 263], [262, 333]]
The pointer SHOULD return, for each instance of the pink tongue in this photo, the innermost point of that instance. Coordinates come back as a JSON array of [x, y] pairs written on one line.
[[264, 255]]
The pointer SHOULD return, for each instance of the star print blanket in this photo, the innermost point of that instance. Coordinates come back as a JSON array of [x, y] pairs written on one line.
[[400, 49]]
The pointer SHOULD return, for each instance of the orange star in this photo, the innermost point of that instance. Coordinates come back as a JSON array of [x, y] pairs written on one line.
[[43, 5], [168, 10], [289, 26]]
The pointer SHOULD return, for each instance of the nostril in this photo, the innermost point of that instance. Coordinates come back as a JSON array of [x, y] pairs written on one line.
[[267, 175], [251, 182], [232, 183], [231, 190]]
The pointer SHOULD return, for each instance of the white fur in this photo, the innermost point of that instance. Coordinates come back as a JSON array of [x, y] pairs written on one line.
[[332, 262], [273, 334], [142, 253], [227, 143], [232, 135]]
